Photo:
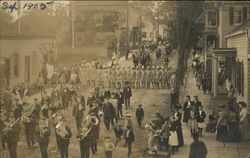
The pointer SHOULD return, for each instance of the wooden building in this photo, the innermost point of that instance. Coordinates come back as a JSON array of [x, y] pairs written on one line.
[[23, 56]]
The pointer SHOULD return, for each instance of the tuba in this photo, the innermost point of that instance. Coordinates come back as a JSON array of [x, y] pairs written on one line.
[[43, 127], [93, 120], [61, 130]]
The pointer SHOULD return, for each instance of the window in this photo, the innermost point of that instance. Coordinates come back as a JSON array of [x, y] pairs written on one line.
[[16, 64], [238, 15], [34, 62], [240, 77], [212, 18]]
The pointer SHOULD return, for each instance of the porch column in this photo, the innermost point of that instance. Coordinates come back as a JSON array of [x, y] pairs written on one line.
[[215, 76]]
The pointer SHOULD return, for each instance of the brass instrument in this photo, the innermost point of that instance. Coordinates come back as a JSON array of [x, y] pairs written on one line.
[[61, 130], [43, 127], [93, 121], [8, 128]]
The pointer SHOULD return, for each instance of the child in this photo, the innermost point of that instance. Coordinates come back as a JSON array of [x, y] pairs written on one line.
[[139, 114], [193, 122], [108, 147], [118, 133], [200, 120]]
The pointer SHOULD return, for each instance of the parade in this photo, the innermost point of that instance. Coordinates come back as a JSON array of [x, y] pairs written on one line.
[[124, 79]]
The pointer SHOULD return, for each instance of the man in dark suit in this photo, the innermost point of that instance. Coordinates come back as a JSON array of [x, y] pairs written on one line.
[[197, 149], [109, 113], [129, 139], [127, 92], [173, 99], [139, 114]]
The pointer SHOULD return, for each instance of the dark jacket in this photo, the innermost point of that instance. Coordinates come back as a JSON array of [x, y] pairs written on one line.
[[119, 97], [109, 110], [201, 117], [129, 136], [127, 92], [186, 110], [65, 140], [198, 150], [197, 104], [77, 112], [139, 113]]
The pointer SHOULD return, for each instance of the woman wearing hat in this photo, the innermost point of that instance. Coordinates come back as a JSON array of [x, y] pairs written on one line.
[[222, 124], [244, 126]]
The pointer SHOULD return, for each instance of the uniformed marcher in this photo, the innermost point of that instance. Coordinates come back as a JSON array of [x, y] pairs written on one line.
[[11, 133], [43, 136], [84, 142], [64, 134], [18, 108], [29, 127], [78, 114], [93, 125]]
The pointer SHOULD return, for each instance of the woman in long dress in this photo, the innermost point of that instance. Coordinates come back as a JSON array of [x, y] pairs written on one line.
[[244, 129], [186, 109], [173, 138]]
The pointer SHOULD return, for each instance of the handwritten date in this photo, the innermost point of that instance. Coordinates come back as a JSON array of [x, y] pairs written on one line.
[[13, 6]]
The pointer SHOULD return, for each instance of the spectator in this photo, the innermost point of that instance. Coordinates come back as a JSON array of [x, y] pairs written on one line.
[[197, 149]]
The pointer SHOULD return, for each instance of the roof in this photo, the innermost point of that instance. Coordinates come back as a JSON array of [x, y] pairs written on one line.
[[24, 36], [239, 30], [200, 19]]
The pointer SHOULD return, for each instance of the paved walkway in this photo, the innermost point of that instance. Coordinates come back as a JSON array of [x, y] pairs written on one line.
[[215, 149]]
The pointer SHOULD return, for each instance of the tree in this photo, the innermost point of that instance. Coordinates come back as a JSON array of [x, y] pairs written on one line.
[[6, 20], [182, 32]]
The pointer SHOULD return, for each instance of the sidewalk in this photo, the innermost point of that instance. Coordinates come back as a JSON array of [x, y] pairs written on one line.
[[215, 149]]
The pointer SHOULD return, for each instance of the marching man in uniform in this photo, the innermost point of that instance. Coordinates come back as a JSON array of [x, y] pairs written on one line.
[[64, 134], [43, 136]]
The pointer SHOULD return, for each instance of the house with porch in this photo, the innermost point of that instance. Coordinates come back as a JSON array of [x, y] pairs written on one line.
[[226, 48]]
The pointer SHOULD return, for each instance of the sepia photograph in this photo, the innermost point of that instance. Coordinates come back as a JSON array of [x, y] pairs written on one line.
[[124, 79]]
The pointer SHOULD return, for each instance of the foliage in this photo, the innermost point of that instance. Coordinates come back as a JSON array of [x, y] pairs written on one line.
[[6, 20]]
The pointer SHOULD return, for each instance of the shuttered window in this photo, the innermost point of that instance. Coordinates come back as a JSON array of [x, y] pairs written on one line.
[[237, 15], [240, 77], [16, 65]]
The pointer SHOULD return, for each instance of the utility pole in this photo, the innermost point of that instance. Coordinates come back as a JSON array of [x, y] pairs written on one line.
[[72, 27], [19, 16]]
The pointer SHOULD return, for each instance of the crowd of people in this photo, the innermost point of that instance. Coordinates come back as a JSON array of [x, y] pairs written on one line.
[[203, 78], [37, 118]]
